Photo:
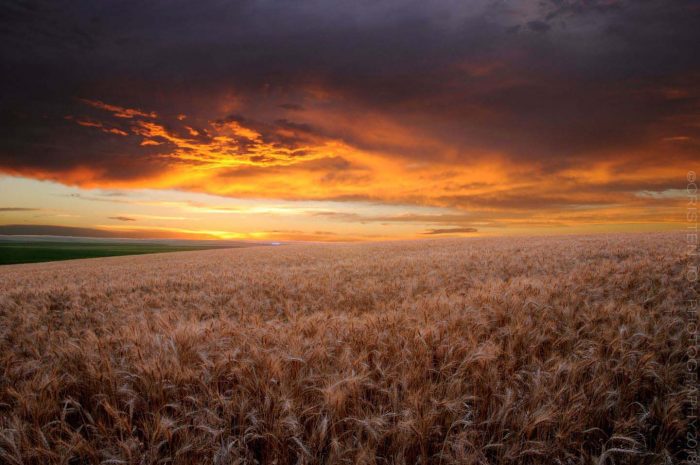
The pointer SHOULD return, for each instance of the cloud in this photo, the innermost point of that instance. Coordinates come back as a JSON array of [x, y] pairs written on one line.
[[115, 232], [18, 209], [451, 231], [52, 230], [120, 112], [341, 216], [122, 218], [539, 26], [291, 106]]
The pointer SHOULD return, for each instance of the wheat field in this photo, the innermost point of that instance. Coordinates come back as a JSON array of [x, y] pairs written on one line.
[[556, 350]]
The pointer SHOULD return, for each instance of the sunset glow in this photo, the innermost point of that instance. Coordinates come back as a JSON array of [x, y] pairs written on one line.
[[473, 119]]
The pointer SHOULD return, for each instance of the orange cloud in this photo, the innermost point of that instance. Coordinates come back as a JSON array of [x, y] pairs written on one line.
[[120, 112], [367, 161], [98, 125]]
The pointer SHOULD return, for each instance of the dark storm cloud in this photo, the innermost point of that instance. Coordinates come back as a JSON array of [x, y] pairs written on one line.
[[555, 83], [539, 26]]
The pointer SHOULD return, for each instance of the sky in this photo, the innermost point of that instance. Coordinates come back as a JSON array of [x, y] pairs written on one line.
[[322, 120]]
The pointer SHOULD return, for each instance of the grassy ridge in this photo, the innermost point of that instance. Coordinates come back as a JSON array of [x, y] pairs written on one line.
[[33, 252]]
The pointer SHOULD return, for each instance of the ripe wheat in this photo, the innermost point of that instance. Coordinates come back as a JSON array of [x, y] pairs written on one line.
[[560, 350]]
